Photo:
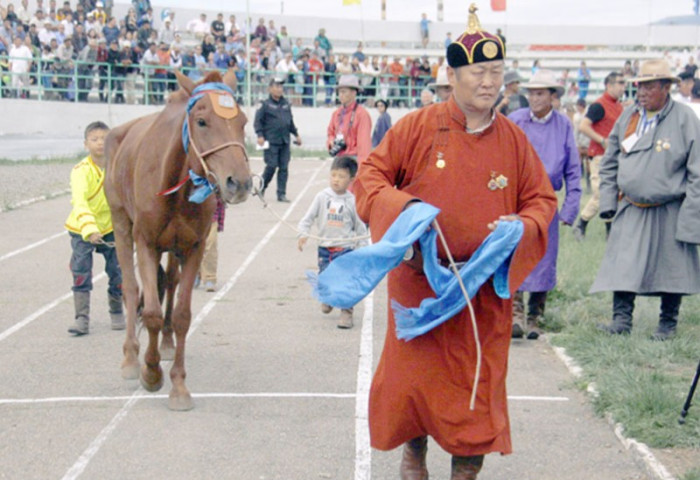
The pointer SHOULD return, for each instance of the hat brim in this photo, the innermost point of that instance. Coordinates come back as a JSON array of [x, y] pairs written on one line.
[[651, 78], [535, 86], [355, 87]]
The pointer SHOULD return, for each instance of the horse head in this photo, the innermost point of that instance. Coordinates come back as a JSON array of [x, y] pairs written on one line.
[[213, 135]]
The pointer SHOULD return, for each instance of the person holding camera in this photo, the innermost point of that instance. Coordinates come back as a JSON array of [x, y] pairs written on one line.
[[273, 125], [350, 128]]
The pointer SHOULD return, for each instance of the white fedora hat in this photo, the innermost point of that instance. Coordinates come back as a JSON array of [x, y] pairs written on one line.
[[544, 79]]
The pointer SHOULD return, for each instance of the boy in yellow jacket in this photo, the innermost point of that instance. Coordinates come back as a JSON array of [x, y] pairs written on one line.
[[90, 227]]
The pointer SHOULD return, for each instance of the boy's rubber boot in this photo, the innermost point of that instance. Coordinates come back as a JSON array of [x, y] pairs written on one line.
[[623, 306], [116, 313], [81, 326], [580, 229]]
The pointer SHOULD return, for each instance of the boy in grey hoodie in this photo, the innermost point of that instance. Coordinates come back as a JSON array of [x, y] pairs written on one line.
[[339, 227]]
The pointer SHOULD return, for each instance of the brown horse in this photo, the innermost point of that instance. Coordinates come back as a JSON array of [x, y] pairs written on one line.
[[160, 171]]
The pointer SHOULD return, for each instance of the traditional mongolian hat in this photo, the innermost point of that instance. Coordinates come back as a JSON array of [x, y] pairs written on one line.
[[656, 69], [475, 45], [544, 79]]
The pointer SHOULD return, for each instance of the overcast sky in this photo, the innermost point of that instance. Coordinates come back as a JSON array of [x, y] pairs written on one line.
[[528, 12]]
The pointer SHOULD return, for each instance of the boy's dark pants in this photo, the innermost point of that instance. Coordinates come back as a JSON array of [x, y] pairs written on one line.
[[81, 265]]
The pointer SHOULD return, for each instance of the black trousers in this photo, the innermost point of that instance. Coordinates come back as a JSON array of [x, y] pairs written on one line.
[[277, 159]]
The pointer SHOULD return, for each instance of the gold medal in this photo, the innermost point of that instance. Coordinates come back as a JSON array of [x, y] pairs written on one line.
[[666, 145], [497, 181], [658, 148]]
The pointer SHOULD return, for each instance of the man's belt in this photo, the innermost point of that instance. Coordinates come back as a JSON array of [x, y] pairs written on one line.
[[638, 204]]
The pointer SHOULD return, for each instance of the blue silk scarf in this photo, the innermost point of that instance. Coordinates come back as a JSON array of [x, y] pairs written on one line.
[[351, 277]]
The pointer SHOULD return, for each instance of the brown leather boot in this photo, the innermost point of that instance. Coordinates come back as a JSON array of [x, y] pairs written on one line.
[[466, 468], [413, 465], [518, 316]]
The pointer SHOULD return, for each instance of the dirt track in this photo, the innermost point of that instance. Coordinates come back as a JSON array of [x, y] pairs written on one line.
[[279, 391]]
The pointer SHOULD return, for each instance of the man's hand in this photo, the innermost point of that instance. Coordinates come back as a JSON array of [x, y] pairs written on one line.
[[503, 218], [301, 242], [95, 238], [297, 141], [261, 141]]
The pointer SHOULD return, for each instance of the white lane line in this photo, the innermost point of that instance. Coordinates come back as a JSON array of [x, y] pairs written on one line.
[[79, 466], [27, 320], [121, 398], [32, 245], [359, 399], [363, 452]]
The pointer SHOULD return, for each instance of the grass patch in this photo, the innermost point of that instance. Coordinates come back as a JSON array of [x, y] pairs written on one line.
[[641, 383], [693, 474]]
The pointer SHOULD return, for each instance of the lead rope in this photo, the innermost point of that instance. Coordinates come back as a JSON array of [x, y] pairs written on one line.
[[266, 206], [472, 316]]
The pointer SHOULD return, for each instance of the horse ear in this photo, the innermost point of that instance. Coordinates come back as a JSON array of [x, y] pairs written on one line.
[[230, 79], [185, 82]]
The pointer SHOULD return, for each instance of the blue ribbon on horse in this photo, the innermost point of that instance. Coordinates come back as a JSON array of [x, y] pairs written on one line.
[[203, 187], [198, 93], [351, 277]]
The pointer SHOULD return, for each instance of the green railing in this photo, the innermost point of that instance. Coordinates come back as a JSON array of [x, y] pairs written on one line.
[[80, 82]]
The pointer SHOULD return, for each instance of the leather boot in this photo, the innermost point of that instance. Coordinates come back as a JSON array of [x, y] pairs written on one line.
[[623, 306], [466, 468], [518, 316], [116, 313], [413, 466], [535, 306], [670, 306], [81, 326], [580, 229]]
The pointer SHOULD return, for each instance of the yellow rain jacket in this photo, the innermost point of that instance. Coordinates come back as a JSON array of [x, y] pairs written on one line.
[[90, 212]]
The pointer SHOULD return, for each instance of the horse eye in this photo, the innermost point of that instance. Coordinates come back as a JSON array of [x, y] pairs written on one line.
[[201, 122]]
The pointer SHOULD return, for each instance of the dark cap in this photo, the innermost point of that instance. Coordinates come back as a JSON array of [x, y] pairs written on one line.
[[685, 75], [475, 45]]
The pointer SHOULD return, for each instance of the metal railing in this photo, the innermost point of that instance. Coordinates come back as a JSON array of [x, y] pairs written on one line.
[[149, 85]]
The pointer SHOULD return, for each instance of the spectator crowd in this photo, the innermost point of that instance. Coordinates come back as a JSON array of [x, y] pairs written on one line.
[[71, 50]]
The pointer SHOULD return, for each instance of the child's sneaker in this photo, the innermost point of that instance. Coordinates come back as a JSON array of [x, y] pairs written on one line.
[[210, 286], [325, 308], [345, 320]]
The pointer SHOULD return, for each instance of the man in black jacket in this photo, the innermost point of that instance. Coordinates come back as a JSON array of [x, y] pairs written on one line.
[[273, 125]]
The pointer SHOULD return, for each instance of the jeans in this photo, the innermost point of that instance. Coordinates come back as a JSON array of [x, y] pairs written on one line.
[[327, 255], [81, 264]]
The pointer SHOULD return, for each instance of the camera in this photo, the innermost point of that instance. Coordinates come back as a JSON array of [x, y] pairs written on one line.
[[338, 145]]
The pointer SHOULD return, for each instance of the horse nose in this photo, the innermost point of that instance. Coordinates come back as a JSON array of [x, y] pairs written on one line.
[[237, 190]]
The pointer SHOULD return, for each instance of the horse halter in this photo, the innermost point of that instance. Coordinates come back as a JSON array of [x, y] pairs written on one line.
[[198, 93]]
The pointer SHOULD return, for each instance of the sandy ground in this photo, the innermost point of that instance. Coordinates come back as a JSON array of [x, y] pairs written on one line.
[[22, 182]]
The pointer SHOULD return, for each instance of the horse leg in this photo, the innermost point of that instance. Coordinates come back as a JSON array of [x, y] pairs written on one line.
[[130, 290], [152, 317], [167, 345], [180, 398]]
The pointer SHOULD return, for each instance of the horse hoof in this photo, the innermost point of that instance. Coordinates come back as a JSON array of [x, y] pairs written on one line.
[[130, 372], [180, 403], [167, 353], [152, 379]]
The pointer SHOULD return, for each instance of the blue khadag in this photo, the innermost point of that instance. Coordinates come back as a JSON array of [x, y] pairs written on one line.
[[350, 278]]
